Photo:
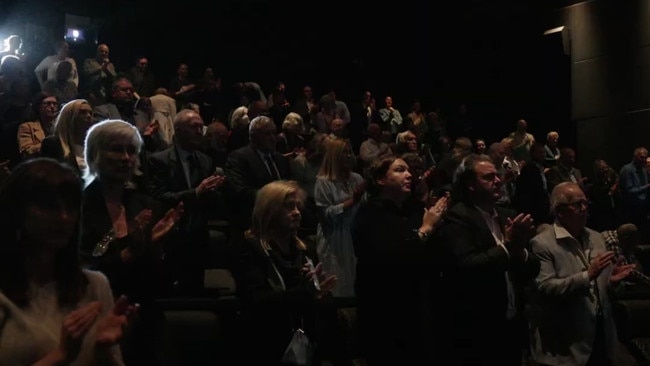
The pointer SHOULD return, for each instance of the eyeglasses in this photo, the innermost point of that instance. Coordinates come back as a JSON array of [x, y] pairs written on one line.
[[577, 204]]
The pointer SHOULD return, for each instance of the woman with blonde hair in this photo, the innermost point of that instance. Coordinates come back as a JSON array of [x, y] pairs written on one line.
[[289, 140], [338, 192], [278, 277], [67, 142]]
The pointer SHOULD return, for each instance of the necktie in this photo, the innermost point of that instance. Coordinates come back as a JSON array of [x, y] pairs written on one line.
[[269, 162], [193, 171]]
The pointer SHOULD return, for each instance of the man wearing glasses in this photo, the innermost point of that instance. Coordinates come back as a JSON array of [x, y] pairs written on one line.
[[571, 319]]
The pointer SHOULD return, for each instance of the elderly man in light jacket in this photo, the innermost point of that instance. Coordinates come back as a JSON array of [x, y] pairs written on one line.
[[571, 314]]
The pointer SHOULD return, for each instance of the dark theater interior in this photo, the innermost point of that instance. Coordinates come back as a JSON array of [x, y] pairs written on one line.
[[338, 183]]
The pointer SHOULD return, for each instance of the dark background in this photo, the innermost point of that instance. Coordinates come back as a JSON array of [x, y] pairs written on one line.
[[489, 55]]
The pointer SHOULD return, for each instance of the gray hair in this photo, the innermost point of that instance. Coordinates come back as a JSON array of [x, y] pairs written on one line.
[[98, 140], [183, 116], [560, 196], [259, 122]]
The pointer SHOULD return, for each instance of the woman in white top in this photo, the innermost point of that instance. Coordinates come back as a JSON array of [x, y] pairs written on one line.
[[51, 311], [337, 192]]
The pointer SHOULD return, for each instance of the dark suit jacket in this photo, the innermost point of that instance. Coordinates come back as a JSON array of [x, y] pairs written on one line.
[[530, 195], [474, 270], [247, 173], [561, 173], [51, 148], [134, 279], [168, 184]]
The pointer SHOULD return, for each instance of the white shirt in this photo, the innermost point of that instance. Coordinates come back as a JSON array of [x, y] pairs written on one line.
[[492, 223]]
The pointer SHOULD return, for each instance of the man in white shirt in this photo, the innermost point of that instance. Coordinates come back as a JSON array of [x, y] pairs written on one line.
[[46, 70]]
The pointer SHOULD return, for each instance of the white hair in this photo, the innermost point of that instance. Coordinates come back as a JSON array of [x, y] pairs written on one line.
[[259, 122], [98, 140], [560, 195]]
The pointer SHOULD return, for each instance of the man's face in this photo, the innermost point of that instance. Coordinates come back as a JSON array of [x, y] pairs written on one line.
[[143, 64], [123, 91], [190, 131], [64, 50], [336, 127], [568, 158], [640, 157], [487, 183], [264, 137], [573, 212], [307, 92], [102, 52]]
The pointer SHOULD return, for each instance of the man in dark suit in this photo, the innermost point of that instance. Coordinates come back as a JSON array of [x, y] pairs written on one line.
[[532, 190], [565, 171], [184, 174], [250, 168], [485, 264]]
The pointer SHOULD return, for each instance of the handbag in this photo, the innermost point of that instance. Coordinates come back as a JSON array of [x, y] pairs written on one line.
[[299, 350]]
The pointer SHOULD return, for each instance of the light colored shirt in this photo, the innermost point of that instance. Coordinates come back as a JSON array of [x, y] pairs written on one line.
[[49, 65], [27, 334], [492, 219]]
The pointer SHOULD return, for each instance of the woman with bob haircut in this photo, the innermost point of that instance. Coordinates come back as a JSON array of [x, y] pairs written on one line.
[[122, 230], [52, 312]]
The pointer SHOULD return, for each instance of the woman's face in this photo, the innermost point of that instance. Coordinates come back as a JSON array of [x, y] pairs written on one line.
[[397, 178], [50, 224], [290, 214], [49, 108], [84, 119], [347, 158], [118, 161]]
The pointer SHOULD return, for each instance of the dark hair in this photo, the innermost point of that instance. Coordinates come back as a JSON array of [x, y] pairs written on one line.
[[38, 182], [378, 170], [464, 175], [36, 104]]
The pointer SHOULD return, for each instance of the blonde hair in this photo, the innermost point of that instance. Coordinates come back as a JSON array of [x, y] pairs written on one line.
[[239, 117], [332, 167], [269, 202], [401, 137], [65, 124], [292, 120]]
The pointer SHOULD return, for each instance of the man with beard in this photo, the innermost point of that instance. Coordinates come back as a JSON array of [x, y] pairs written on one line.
[[485, 263]]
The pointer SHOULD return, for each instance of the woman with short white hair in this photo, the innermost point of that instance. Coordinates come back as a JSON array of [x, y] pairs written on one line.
[[122, 230]]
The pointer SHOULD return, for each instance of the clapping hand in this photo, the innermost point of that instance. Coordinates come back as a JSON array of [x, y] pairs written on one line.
[[599, 263], [433, 215], [151, 128], [165, 224], [519, 229], [111, 328], [74, 328], [621, 271]]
